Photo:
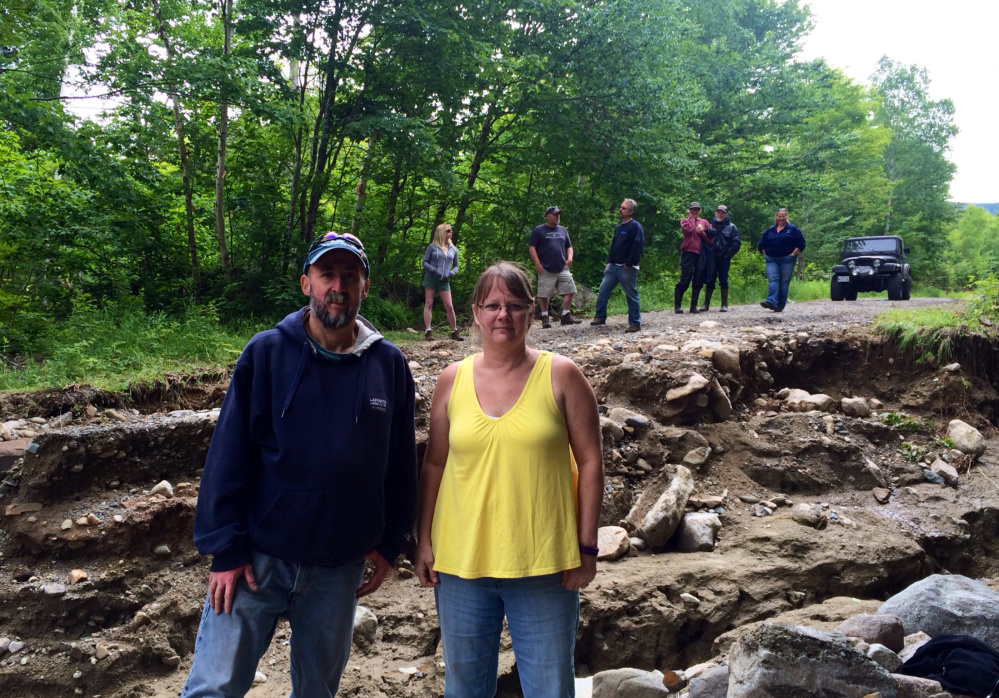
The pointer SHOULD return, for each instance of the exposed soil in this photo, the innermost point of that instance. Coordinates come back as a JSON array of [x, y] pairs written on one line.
[[142, 607]]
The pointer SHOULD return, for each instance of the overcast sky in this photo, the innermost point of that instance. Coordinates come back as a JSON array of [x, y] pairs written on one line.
[[957, 44]]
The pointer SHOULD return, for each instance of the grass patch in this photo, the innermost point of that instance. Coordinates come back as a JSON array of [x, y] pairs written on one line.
[[115, 347]]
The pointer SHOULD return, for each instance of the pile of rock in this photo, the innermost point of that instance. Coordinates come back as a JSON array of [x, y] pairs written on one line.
[[861, 657]]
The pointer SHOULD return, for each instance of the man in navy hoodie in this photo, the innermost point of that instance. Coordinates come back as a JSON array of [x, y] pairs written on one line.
[[622, 267], [311, 471]]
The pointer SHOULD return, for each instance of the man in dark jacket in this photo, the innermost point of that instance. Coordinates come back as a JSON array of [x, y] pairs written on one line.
[[622, 267], [726, 243], [312, 470]]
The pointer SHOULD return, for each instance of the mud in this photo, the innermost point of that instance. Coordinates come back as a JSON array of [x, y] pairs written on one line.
[[128, 629]]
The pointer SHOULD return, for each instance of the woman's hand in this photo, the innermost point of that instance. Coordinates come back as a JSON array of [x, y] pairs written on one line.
[[425, 565], [578, 577]]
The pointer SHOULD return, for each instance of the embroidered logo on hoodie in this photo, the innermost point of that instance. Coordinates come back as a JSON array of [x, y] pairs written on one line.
[[379, 404]]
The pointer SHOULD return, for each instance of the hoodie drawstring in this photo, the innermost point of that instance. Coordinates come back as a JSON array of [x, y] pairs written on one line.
[[360, 387], [298, 379]]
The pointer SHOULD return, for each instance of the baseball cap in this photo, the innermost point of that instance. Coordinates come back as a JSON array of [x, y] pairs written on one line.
[[552, 209], [336, 241], [722, 207], [694, 204]]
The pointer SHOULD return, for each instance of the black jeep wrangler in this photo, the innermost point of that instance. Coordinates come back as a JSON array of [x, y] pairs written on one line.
[[875, 263]]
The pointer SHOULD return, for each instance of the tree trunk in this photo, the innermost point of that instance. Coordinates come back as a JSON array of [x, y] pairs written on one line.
[[178, 125], [361, 192], [226, 7], [473, 175]]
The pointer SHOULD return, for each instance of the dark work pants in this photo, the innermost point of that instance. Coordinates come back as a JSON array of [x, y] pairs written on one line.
[[691, 271], [718, 269]]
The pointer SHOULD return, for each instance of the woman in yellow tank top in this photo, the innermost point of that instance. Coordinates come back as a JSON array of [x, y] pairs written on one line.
[[510, 498]]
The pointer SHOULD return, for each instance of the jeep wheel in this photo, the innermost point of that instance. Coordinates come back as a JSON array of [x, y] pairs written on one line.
[[895, 284], [837, 289], [907, 289], [851, 294]]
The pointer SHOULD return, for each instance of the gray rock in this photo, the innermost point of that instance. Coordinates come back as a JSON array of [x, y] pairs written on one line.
[[951, 368], [884, 656], [4, 644], [613, 542], [931, 476], [365, 626], [912, 643], [807, 514], [694, 383], [916, 686], [876, 404], [161, 549], [872, 468], [638, 544], [792, 661], [54, 589], [697, 532], [611, 429], [625, 417], [948, 605], [628, 683], [880, 629], [726, 360], [63, 419], [665, 515], [15, 646], [164, 488], [698, 456], [713, 683], [966, 438], [945, 470], [855, 407]]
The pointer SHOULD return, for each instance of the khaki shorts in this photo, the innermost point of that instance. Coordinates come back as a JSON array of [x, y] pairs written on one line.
[[552, 284]]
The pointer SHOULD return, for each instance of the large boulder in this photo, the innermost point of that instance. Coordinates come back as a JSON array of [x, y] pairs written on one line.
[[797, 662], [726, 360], [661, 521], [883, 630], [713, 683], [947, 605], [966, 438], [697, 532], [855, 407], [628, 683]]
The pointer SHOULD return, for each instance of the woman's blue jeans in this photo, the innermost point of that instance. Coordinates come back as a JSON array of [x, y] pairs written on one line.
[[318, 601], [779, 273], [628, 278], [542, 616]]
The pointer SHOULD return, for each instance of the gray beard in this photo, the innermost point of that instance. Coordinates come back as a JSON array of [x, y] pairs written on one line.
[[330, 320]]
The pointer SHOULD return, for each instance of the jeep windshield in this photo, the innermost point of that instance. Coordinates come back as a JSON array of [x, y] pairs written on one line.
[[862, 246]]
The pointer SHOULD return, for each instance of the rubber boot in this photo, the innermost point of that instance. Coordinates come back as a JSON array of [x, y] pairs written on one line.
[[694, 293], [707, 299], [677, 301], [724, 307]]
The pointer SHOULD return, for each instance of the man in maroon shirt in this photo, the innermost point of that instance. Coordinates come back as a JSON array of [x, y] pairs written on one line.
[[695, 234]]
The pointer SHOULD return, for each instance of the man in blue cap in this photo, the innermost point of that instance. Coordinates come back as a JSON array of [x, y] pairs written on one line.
[[312, 470]]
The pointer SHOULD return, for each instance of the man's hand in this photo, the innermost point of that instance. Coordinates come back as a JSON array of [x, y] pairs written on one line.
[[222, 587], [425, 565], [382, 567], [578, 577], [538, 267], [568, 262], [795, 252]]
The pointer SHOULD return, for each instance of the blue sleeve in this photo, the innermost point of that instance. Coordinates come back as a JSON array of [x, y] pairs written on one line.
[[759, 245], [401, 477], [456, 267], [637, 246], [736, 241], [801, 238], [427, 267], [220, 526]]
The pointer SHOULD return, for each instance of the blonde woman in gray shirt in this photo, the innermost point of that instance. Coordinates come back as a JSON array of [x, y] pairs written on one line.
[[440, 263]]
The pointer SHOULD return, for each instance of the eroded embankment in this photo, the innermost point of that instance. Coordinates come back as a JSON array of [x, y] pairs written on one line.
[[708, 400]]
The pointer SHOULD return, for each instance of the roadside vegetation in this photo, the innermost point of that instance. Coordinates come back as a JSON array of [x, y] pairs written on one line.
[[188, 205]]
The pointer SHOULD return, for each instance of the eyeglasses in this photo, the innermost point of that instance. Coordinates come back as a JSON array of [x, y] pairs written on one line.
[[511, 308], [346, 237]]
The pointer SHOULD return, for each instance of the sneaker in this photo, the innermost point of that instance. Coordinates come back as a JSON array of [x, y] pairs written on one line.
[[768, 305], [428, 335], [546, 322], [568, 319], [457, 337], [598, 321], [633, 327]]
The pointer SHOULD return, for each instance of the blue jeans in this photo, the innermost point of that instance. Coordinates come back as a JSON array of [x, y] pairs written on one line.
[[628, 278], [779, 272], [542, 616], [318, 601]]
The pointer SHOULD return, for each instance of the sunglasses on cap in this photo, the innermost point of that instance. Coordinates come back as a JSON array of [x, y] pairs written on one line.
[[346, 237]]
